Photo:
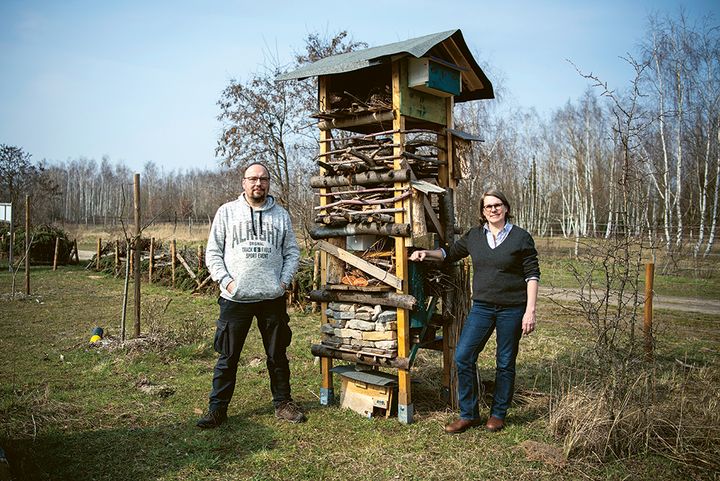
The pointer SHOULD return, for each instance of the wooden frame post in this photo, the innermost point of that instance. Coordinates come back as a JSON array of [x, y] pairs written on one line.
[[405, 406], [451, 332], [327, 392]]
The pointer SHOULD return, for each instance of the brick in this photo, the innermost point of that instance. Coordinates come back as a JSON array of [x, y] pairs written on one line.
[[379, 336]]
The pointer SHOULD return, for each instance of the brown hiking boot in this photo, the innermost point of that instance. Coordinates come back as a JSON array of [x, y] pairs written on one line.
[[290, 411], [213, 419]]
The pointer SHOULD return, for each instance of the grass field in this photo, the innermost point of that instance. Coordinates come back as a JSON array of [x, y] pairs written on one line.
[[74, 412]]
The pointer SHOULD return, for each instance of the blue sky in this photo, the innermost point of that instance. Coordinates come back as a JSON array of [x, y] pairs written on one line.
[[139, 81]]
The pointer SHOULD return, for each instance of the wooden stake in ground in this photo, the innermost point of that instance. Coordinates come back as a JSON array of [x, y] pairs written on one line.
[[12, 238], [55, 256], [117, 255], [173, 251], [27, 245], [97, 254], [151, 260], [647, 323], [137, 254], [200, 258], [125, 292]]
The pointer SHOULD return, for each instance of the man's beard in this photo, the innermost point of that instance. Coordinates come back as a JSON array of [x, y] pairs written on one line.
[[259, 196]]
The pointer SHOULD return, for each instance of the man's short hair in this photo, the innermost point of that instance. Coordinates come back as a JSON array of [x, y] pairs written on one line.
[[261, 164]]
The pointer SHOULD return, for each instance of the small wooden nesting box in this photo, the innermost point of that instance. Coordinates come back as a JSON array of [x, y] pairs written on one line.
[[369, 393], [434, 77]]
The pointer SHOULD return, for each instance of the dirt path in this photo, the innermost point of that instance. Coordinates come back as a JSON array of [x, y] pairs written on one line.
[[85, 255], [688, 304]]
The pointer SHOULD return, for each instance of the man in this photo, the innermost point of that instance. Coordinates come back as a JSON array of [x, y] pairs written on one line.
[[252, 253]]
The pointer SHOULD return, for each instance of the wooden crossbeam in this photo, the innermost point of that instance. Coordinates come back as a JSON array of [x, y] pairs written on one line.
[[187, 267]]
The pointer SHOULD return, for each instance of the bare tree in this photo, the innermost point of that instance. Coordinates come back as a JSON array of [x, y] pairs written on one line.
[[266, 120]]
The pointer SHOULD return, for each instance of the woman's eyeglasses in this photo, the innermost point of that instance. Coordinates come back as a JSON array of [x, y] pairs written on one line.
[[492, 207]]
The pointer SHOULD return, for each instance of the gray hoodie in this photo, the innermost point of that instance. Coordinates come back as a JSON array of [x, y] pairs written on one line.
[[255, 247]]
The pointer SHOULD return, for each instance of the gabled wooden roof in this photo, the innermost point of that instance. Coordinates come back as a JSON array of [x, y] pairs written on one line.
[[449, 46]]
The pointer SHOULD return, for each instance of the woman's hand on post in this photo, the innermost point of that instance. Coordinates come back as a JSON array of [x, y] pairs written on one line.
[[418, 256]]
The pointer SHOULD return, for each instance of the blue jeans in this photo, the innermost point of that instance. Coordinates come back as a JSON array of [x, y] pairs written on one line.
[[479, 325], [232, 329]]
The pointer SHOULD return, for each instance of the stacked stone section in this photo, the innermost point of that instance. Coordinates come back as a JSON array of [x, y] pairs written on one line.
[[361, 328]]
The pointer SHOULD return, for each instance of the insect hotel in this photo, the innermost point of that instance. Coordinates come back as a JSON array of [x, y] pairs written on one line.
[[388, 166]]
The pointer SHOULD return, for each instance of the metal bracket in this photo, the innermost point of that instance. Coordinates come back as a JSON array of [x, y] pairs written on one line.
[[327, 396], [406, 413]]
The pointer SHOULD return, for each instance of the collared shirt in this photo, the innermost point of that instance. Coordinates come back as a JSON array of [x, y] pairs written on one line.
[[494, 241]]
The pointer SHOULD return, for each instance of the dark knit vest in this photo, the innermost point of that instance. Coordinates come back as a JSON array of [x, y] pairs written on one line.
[[499, 275]]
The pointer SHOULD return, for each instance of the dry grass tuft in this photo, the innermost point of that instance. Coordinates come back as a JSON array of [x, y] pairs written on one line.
[[545, 453], [676, 417]]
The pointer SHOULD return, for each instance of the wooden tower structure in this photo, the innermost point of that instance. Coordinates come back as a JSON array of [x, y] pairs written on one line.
[[387, 173]]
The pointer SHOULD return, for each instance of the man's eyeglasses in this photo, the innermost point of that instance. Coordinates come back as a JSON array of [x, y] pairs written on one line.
[[253, 180], [491, 207]]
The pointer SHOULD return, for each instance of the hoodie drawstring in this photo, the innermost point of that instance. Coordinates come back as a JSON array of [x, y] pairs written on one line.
[[252, 219]]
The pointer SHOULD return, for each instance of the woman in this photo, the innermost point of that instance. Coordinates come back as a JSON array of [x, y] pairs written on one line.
[[505, 285]]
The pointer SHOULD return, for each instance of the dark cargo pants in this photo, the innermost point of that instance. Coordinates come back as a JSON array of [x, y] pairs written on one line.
[[232, 329]]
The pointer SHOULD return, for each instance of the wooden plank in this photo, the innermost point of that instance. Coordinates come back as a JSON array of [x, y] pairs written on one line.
[[430, 212], [202, 284], [361, 264], [186, 266]]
